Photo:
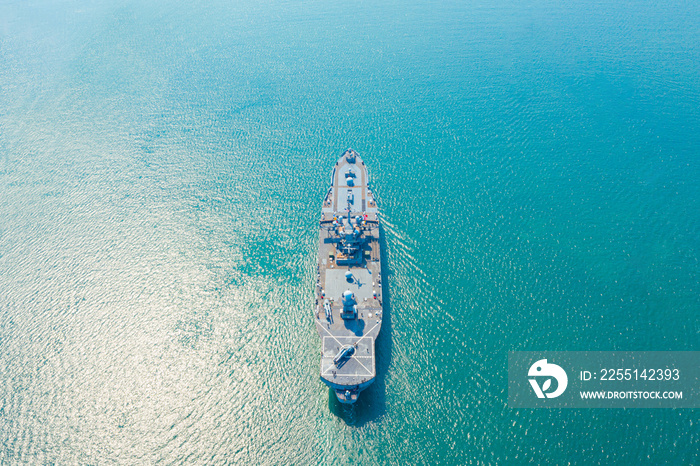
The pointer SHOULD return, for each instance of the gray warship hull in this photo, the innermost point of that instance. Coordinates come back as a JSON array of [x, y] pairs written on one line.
[[349, 280]]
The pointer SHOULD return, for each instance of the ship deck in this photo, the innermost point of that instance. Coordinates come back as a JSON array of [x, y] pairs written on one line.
[[337, 333]]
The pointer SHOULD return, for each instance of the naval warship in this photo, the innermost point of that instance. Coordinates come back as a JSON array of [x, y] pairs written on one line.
[[349, 280]]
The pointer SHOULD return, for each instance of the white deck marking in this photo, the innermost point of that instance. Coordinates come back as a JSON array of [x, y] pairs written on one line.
[[329, 333], [358, 361], [330, 370]]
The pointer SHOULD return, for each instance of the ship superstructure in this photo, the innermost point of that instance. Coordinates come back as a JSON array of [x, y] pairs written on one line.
[[349, 281]]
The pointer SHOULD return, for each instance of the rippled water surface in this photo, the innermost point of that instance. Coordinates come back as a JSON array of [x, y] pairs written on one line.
[[161, 173]]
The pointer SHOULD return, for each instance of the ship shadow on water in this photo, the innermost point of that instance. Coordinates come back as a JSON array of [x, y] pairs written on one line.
[[371, 406]]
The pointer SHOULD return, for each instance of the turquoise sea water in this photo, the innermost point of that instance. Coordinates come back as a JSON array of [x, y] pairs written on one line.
[[161, 173]]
